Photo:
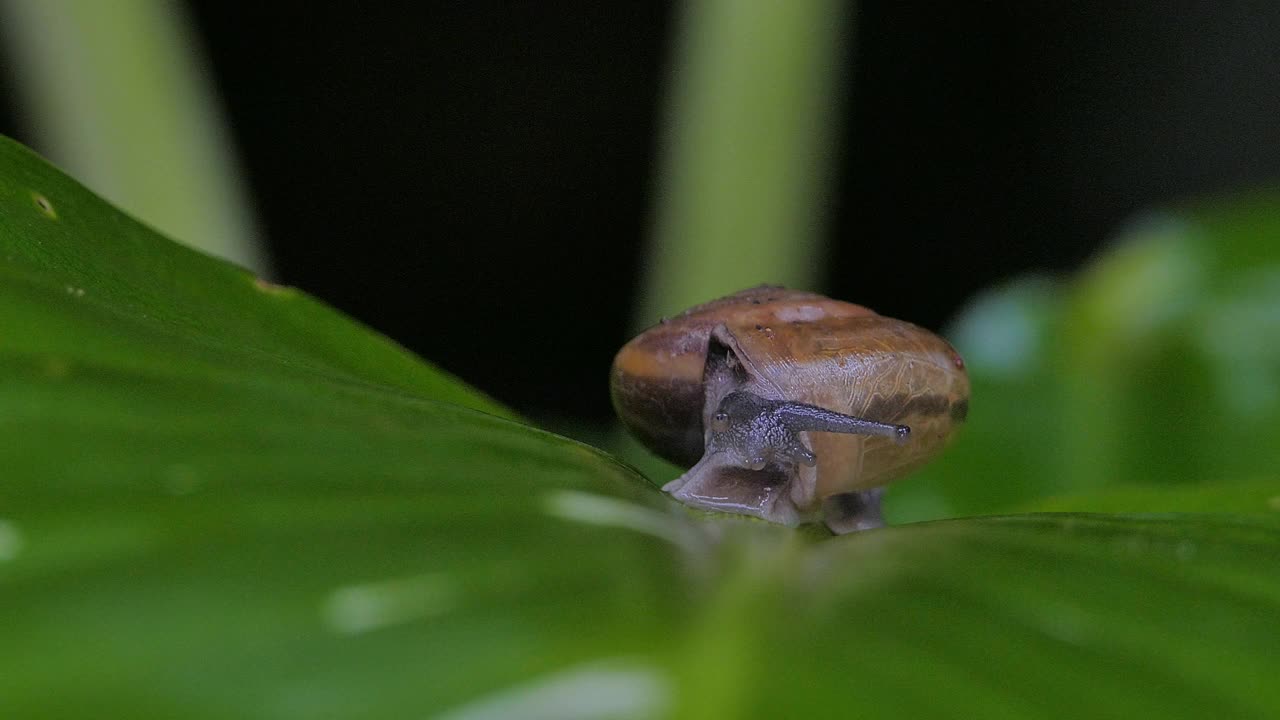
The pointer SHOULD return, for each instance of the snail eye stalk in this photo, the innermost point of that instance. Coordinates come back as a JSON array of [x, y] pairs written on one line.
[[815, 419], [767, 432]]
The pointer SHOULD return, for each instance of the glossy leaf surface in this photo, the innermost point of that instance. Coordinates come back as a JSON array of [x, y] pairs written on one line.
[[221, 499]]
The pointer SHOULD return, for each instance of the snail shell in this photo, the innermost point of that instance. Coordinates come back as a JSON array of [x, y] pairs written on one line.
[[788, 404]]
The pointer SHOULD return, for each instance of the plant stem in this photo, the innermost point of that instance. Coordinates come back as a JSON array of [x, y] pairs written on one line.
[[749, 145]]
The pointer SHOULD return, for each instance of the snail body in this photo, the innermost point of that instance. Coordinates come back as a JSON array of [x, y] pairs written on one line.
[[788, 405]]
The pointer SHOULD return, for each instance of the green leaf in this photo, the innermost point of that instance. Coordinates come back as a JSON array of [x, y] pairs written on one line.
[[1158, 365], [84, 286], [1029, 616], [1245, 496], [221, 499], [216, 490]]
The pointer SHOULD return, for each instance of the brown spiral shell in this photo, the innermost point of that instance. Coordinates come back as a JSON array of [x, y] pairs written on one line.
[[803, 347]]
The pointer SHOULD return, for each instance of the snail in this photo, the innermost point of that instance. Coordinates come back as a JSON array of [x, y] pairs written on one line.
[[789, 406]]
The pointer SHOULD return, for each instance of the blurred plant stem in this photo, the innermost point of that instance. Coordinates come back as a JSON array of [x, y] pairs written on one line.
[[116, 94], [748, 149]]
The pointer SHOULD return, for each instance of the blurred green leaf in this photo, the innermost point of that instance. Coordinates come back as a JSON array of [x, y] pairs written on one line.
[[1159, 364], [1241, 496], [221, 499]]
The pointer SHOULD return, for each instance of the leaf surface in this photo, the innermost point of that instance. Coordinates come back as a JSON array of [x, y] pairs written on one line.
[[222, 499]]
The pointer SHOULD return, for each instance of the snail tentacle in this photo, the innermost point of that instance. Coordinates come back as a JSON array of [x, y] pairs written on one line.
[[767, 432], [815, 419]]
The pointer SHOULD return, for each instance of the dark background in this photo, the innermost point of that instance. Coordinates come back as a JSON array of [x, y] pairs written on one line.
[[475, 179]]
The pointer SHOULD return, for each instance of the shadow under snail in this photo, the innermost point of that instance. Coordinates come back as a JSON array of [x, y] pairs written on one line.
[[789, 406]]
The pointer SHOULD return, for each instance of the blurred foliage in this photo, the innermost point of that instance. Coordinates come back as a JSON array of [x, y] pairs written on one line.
[[115, 93], [1158, 365], [222, 499]]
